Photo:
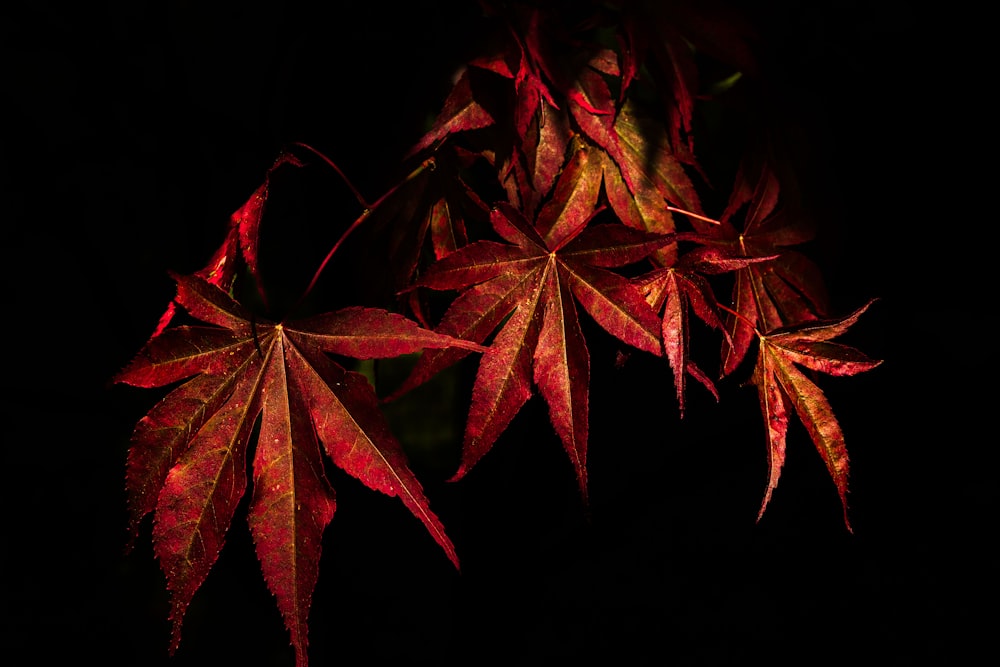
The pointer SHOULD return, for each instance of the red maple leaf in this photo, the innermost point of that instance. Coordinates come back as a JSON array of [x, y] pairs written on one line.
[[676, 292], [187, 459], [681, 289], [780, 286], [782, 388], [529, 286]]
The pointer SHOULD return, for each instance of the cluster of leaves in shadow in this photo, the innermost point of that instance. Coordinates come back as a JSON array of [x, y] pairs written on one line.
[[559, 176]]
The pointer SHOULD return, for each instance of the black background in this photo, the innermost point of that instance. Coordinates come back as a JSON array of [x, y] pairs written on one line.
[[131, 132]]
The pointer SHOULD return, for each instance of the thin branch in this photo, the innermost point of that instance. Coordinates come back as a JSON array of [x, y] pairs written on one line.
[[693, 215], [423, 166], [333, 165]]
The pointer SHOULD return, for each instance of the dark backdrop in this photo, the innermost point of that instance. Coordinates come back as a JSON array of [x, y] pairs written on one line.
[[132, 131]]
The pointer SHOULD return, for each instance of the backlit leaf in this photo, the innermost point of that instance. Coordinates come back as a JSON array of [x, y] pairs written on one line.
[[783, 388], [187, 460]]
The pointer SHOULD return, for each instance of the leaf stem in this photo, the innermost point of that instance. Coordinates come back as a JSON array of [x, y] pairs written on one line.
[[333, 165], [693, 215], [426, 164], [753, 325]]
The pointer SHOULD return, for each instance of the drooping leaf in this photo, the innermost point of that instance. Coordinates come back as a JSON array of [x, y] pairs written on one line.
[[675, 293], [683, 288], [783, 388], [187, 460]]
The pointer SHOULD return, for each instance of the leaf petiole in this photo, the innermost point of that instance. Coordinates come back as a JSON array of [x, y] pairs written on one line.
[[693, 215], [752, 325], [333, 165], [423, 166]]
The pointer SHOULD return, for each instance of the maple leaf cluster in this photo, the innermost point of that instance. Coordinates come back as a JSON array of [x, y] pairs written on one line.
[[558, 182]]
